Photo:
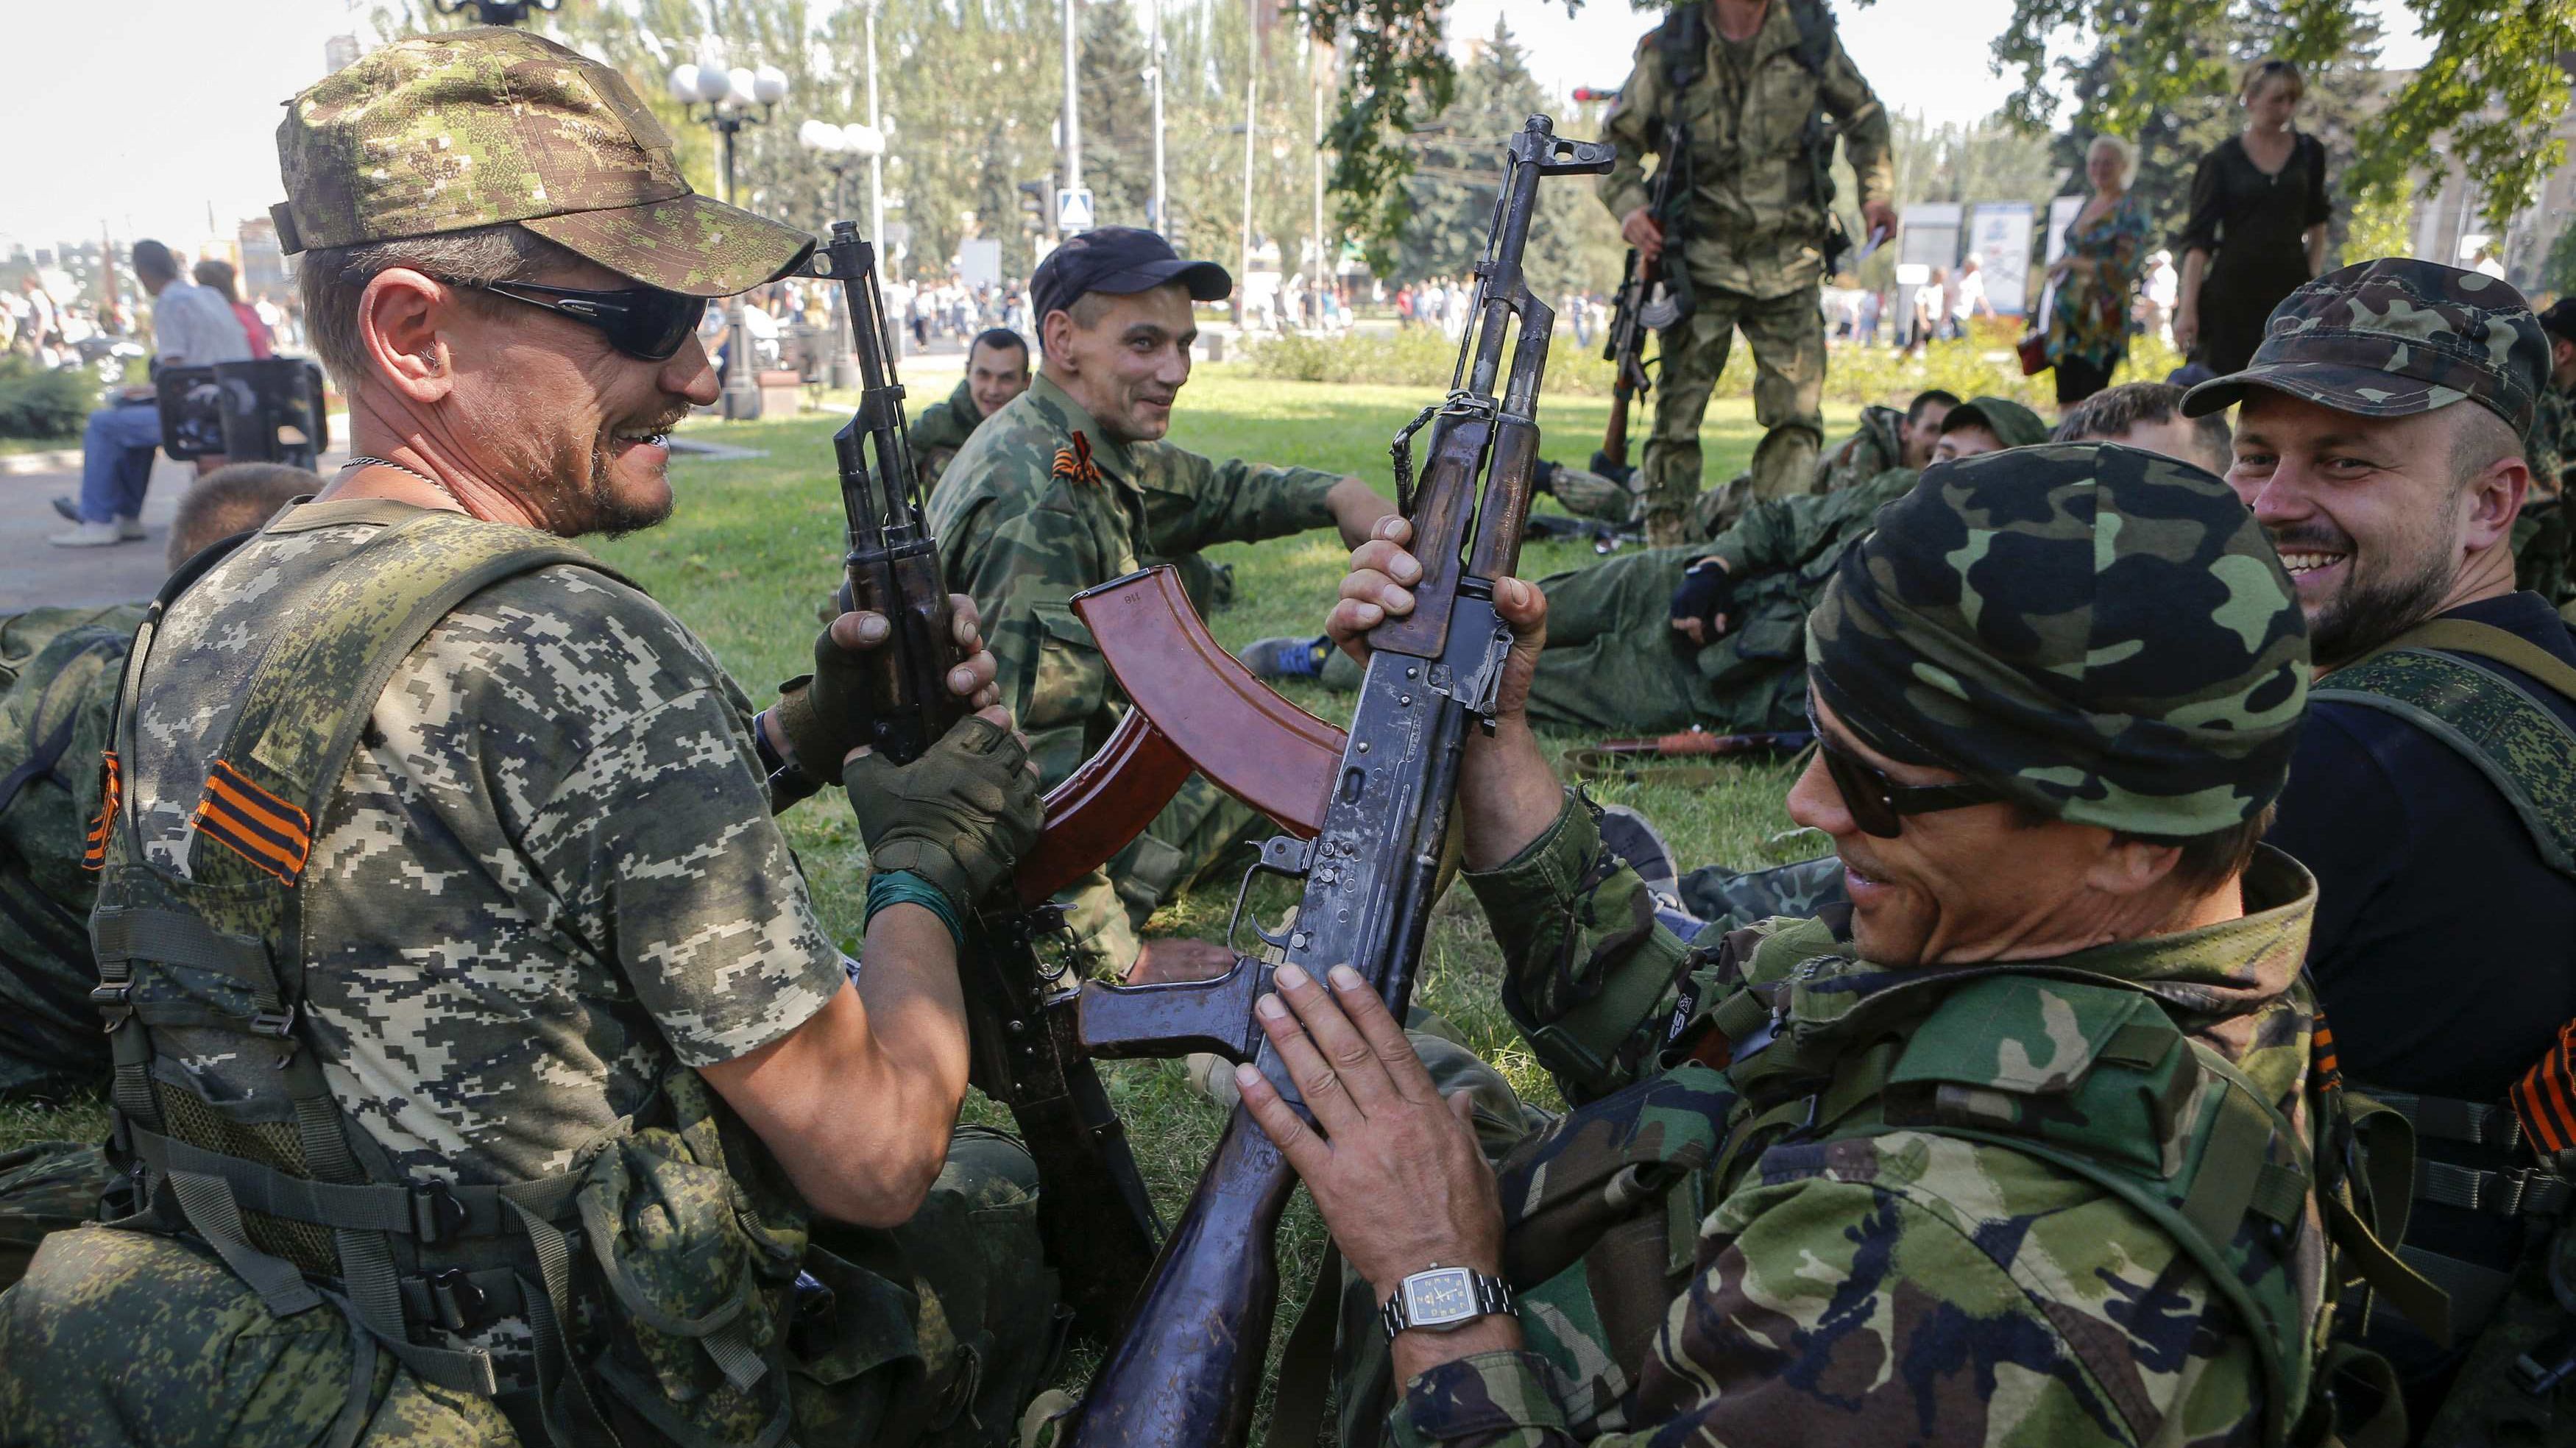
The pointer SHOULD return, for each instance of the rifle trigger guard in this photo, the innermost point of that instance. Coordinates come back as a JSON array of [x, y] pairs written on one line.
[[1280, 855]]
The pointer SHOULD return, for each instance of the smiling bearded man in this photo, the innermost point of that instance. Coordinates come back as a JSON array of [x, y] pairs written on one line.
[[2379, 443]]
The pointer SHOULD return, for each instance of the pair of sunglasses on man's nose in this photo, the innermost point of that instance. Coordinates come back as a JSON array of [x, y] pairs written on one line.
[[644, 322], [1879, 804]]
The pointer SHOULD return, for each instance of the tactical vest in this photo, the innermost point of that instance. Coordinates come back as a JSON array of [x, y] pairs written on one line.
[[1682, 41], [2143, 1111], [229, 1134]]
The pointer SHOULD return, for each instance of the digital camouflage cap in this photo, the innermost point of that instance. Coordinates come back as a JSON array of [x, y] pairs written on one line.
[[478, 127], [2393, 338], [2102, 632]]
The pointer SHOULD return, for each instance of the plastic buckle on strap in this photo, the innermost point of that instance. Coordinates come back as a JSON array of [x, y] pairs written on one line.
[[278, 1023], [116, 1002], [462, 1306], [439, 1215]]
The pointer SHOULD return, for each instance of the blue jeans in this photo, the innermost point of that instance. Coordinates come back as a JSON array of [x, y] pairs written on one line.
[[116, 461]]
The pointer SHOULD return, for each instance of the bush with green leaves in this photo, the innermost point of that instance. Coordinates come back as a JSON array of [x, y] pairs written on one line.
[[37, 402]]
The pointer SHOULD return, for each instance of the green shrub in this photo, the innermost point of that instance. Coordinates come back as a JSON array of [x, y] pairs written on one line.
[[38, 403]]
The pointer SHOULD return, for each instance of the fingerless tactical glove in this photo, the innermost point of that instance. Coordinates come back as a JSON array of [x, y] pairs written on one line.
[[824, 714], [1704, 594], [959, 817]]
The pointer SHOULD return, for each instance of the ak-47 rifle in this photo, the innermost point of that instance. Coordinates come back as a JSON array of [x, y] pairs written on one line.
[[1626, 758], [1186, 1373], [1095, 1218], [1653, 294]]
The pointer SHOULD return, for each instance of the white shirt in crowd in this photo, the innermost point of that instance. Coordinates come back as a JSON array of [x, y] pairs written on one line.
[[193, 326]]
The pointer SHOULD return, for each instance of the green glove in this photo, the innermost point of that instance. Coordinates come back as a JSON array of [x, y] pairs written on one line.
[[959, 817], [825, 714]]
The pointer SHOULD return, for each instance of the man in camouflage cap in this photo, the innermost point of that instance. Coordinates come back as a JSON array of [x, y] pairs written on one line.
[[482, 1067], [1070, 485], [1866, 1175], [2380, 443], [2544, 538]]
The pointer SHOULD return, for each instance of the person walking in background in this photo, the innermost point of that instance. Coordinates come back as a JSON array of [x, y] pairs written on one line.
[[1968, 295], [2257, 230], [2088, 325], [216, 275]]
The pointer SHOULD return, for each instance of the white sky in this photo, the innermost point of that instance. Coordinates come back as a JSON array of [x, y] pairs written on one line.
[[147, 114]]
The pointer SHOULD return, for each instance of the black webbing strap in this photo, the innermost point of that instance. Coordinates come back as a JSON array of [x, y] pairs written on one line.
[[2444, 1118], [436, 1215], [212, 1213], [1306, 1361], [2523, 1191]]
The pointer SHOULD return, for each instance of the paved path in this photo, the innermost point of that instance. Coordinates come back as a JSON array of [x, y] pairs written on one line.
[[34, 572]]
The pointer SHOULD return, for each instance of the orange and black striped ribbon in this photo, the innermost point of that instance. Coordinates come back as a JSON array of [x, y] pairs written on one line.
[[2545, 1098], [1074, 464], [2323, 1062], [268, 831], [111, 797]]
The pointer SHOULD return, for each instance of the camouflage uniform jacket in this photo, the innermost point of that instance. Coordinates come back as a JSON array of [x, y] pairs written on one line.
[[1898, 1287], [942, 429], [1754, 225], [1041, 504], [1875, 446], [1780, 555], [549, 870], [58, 674], [2544, 537]]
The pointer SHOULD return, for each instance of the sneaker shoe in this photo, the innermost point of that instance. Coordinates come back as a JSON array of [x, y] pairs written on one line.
[[69, 510], [129, 529], [1632, 839], [89, 535], [1287, 658]]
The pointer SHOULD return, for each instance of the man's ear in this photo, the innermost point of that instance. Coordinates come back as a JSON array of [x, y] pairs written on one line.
[[2494, 501], [2131, 867], [1055, 336], [403, 319]]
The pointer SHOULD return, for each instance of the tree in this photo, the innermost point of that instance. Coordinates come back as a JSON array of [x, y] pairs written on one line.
[[2494, 86]]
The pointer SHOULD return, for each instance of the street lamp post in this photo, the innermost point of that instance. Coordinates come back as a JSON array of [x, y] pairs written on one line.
[[841, 147], [727, 98], [1154, 73], [1251, 126]]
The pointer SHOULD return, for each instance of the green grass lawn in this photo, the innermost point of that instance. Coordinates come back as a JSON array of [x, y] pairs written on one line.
[[755, 543]]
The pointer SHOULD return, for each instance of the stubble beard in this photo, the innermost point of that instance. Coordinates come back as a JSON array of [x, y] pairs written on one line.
[[2371, 611]]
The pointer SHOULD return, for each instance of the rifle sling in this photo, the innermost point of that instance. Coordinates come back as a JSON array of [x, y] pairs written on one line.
[[1306, 1361]]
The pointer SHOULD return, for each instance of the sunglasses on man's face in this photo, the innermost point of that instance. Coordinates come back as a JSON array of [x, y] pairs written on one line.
[[644, 322], [1879, 804]]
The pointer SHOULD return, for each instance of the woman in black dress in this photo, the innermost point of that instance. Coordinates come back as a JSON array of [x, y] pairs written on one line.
[[2258, 223]]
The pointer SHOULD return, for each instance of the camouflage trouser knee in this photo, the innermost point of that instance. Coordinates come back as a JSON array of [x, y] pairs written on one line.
[[1732, 899], [1191, 835], [1613, 663], [1787, 335], [118, 1337], [46, 1187]]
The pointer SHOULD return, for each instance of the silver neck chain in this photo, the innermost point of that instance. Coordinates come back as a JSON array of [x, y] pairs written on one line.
[[367, 460]]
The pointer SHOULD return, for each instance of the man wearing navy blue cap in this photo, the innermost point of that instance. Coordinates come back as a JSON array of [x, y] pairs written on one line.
[[1070, 485]]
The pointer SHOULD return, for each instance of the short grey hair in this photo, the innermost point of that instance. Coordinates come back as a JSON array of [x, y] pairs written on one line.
[[333, 278], [2119, 146]]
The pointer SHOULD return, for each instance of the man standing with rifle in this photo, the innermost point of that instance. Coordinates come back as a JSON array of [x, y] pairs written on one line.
[[1734, 98]]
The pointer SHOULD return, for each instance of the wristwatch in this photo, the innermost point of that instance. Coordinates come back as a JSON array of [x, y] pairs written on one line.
[[1440, 1298]]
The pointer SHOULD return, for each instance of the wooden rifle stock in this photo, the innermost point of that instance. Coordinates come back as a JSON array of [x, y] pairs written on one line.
[[1188, 1369]]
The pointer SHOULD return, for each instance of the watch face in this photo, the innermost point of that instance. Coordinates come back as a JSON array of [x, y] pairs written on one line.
[[1432, 1298]]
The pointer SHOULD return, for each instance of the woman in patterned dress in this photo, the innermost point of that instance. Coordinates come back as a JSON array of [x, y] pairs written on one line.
[[2097, 277]]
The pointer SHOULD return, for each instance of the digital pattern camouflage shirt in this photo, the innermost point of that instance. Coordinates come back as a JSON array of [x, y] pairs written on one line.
[[1041, 504], [1903, 1287], [548, 872], [58, 675], [1755, 226], [942, 429]]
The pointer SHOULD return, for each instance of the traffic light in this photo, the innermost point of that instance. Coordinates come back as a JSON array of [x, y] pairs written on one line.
[[1037, 202]]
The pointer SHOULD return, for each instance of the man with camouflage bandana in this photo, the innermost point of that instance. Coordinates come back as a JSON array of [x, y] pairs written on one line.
[[2380, 442], [1070, 485], [483, 1070], [2058, 689]]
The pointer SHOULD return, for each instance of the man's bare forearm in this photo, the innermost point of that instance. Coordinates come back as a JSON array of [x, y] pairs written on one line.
[[1507, 795], [1356, 507]]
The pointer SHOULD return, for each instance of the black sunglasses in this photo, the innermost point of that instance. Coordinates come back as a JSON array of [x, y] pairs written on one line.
[[1879, 804], [645, 322]]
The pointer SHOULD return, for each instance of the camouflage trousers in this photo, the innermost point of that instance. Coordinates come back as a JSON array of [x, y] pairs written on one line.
[[123, 1337], [1732, 899], [50, 1043], [1787, 335], [1613, 664]]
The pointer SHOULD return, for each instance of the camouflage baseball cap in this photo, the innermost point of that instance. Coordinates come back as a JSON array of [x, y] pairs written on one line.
[[2103, 633], [477, 127], [2012, 424], [2393, 338]]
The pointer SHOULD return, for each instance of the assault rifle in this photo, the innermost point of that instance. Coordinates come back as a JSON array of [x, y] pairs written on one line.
[[1096, 1220], [1186, 1373], [1653, 295]]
